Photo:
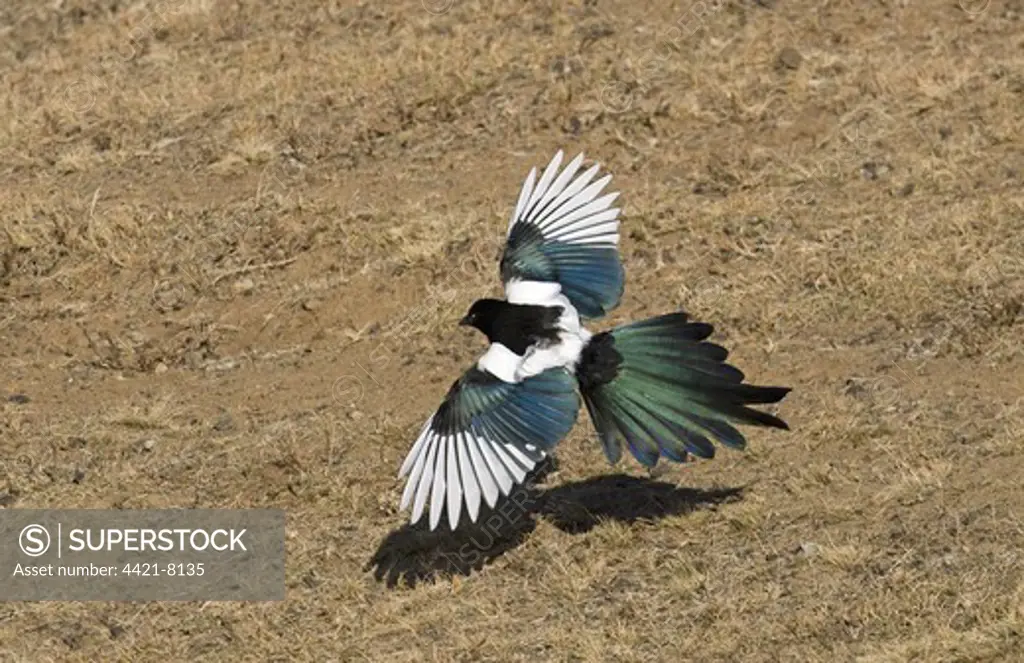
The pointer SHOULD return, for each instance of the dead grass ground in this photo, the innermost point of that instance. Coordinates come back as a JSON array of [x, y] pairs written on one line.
[[237, 236]]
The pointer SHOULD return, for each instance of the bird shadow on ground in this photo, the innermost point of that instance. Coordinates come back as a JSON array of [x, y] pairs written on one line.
[[413, 554]]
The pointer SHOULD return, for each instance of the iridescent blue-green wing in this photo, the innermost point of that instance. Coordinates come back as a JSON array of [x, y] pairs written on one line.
[[562, 233], [484, 439]]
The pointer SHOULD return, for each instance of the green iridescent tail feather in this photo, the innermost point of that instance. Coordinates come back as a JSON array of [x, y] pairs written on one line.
[[661, 389]]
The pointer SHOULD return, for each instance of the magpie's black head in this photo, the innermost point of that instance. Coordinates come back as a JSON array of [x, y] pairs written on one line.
[[482, 315]]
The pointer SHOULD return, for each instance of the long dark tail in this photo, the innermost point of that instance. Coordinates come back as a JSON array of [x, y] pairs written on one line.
[[659, 387]]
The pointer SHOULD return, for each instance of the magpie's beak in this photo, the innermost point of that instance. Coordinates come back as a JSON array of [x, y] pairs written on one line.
[[465, 322]]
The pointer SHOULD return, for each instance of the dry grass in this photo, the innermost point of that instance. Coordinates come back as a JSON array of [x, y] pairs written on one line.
[[236, 236]]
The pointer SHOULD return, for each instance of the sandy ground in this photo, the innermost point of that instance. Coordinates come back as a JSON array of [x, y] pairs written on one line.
[[237, 237]]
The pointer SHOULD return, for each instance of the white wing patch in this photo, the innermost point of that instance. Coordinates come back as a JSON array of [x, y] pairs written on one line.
[[507, 366], [500, 362], [538, 360], [564, 353], [458, 470], [566, 209], [531, 292], [524, 195]]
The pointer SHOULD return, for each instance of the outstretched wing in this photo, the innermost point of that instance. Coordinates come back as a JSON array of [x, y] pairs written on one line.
[[562, 234], [484, 438]]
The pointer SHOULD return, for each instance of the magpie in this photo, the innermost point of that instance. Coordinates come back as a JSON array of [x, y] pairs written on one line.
[[656, 386]]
